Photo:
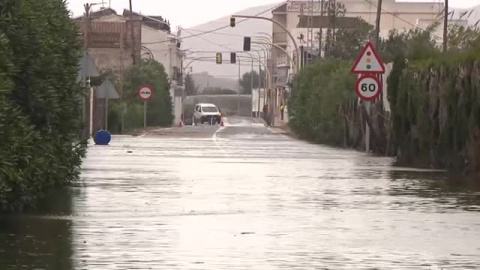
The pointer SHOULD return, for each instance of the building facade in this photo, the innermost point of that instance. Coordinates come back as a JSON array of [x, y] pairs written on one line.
[[113, 46], [302, 15], [396, 15]]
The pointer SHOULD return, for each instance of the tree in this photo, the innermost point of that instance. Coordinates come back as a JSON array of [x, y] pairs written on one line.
[[39, 101], [461, 38], [349, 41], [413, 44], [246, 81], [333, 10], [150, 72], [190, 88], [345, 36]]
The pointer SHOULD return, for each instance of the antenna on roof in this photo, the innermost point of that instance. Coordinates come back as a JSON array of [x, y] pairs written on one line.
[[109, 3]]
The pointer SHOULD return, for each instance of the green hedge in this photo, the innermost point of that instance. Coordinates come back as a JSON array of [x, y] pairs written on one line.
[[319, 95], [160, 108], [39, 100], [436, 110]]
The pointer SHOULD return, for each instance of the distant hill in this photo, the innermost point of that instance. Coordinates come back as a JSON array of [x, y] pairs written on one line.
[[472, 14], [225, 40], [231, 39]]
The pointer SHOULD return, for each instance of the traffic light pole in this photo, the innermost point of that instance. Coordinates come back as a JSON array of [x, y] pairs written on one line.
[[277, 23], [238, 89], [294, 64]]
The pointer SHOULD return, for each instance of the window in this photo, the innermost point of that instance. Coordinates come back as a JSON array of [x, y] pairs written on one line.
[[209, 109]]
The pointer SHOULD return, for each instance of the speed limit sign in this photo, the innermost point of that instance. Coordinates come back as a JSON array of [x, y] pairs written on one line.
[[368, 87]]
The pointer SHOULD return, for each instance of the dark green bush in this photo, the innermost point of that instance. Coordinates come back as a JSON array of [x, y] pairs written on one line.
[[436, 111], [315, 106], [39, 100], [159, 111]]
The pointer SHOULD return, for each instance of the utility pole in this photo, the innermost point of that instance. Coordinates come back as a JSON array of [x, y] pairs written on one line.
[[259, 85], [251, 78], [86, 101], [445, 28], [367, 103], [132, 32], [320, 34], [310, 37], [238, 89], [377, 23]]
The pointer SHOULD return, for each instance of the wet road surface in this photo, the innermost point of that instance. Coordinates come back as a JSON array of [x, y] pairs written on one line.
[[244, 197]]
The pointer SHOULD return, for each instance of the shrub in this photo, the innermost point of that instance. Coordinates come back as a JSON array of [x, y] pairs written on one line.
[[39, 100]]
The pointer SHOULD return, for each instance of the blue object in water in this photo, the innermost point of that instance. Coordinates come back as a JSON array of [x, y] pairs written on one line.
[[102, 137]]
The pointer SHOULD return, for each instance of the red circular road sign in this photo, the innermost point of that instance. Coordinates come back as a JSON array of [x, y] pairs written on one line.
[[368, 87], [145, 92]]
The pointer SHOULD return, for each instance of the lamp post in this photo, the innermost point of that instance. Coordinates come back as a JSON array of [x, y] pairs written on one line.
[[294, 64], [265, 50], [297, 52]]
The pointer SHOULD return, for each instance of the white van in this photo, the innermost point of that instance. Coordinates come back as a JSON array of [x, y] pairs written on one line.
[[206, 113]]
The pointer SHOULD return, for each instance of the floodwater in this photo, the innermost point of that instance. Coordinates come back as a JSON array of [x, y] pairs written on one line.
[[245, 197]]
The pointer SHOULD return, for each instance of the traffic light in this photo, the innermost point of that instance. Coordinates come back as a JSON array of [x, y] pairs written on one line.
[[232, 22], [233, 58], [219, 58], [246, 43]]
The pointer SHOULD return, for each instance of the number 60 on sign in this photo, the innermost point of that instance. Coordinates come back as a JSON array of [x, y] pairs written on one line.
[[368, 87]]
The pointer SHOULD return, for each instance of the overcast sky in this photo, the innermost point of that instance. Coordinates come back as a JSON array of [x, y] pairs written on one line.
[[188, 13]]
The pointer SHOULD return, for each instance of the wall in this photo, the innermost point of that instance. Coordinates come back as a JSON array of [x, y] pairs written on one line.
[[258, 100], [226, 103], [162, 46], [110, 43]]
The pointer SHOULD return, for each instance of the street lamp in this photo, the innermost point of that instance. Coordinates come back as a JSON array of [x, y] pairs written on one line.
[[266, 34], [294, 64], [268, 74], [297, 51]]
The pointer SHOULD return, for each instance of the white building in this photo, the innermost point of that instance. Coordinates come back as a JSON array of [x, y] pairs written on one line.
[[395, 15], [160, 45], [294, 15]]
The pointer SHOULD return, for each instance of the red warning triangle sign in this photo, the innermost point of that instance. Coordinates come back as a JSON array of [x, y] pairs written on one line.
[[368, 61]]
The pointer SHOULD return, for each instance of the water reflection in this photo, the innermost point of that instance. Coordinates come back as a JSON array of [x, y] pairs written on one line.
[[246, 200], [445, 191], [40, 239]]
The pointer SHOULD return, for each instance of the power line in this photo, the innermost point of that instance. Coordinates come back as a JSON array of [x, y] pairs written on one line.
[[224, 62], [211, 42], [215, 33], [395, 15], [229, 51], [216, 29], [391, 13]]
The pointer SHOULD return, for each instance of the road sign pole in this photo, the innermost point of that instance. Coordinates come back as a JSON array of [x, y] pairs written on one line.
[[106, 113], [368, 86], [145, 93], [144, 114], [367, 128], [91, 91]]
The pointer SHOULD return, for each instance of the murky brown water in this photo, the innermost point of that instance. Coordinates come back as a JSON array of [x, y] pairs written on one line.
[[246, 198]]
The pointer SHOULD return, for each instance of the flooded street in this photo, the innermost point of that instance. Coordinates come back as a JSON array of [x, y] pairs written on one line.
[[245, 197]]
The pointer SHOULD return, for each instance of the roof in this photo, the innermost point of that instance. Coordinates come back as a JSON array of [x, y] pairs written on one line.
[[156, 22], [206, 105], [280, 9], [98, 14]]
